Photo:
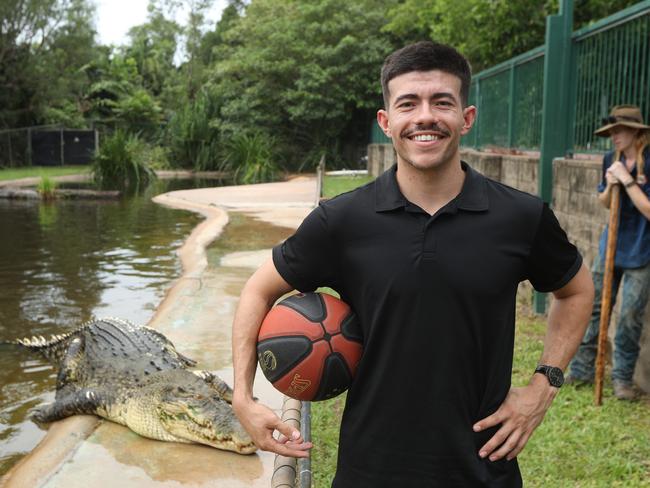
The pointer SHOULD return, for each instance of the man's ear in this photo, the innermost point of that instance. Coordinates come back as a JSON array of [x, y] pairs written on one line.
[[382, 120], [469, 116]]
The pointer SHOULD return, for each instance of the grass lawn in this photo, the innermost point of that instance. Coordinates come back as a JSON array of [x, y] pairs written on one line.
[[335, 185], [577, 445], [40, 171]]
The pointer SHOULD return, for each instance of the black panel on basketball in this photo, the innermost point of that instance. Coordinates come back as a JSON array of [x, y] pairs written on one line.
[[308, 304], [336, 378], [280, 354], [351, 329]]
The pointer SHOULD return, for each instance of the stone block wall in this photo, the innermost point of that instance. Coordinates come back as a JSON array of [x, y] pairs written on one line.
[[575, 204]]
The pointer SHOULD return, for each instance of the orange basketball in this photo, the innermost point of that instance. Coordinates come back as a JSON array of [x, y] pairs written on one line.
[[309, 346]]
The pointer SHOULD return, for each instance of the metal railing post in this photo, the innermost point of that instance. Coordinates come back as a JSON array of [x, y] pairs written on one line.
[[557, 59], [511, 106]]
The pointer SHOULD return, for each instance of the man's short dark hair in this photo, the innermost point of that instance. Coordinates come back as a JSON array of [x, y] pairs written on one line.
[[426, 56]]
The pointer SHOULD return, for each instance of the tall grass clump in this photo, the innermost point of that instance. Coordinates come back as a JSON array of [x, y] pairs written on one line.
[[120, 162], [46, 188], [192, 136], [250, 158]]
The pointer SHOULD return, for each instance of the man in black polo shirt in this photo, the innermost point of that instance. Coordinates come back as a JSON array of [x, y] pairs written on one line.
[[429, 256]]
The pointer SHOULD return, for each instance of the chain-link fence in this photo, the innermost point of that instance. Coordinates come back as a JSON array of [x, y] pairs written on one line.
[[47, 146]]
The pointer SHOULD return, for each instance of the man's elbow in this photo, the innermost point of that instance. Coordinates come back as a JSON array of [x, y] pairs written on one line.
[[266, 284], [580, 287]]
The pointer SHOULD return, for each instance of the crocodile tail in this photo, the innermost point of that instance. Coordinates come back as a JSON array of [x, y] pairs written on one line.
[[53, 349]]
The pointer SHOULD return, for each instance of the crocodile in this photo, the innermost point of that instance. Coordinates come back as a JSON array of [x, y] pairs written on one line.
[[134, 376]]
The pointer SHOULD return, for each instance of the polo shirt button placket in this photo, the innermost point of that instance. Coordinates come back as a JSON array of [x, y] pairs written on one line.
[[429, 240]]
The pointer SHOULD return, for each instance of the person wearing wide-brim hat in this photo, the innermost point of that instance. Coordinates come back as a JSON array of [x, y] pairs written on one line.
[[627, 165]]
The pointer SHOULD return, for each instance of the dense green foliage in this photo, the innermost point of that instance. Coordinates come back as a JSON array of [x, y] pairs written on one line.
[[298, 77], [121, 161], [605, 446], [249, 158], [488, 32], [191, 135], [301, 71]]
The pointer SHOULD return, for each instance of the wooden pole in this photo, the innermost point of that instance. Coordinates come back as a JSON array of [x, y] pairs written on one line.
[[606, 298]]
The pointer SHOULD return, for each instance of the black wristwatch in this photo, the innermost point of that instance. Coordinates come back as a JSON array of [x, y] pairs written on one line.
[[554, 375]]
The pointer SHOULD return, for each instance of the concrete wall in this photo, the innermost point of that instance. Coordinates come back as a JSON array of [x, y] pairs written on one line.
[[575, 204]]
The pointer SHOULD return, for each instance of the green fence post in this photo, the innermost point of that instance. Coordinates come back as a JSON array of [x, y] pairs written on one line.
[[557, 59], [511, 106]]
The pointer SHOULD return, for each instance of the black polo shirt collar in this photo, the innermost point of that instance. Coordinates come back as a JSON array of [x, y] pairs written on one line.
[[472, 197]]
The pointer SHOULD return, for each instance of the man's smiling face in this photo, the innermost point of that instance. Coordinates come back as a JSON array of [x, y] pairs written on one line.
[[425, 118]]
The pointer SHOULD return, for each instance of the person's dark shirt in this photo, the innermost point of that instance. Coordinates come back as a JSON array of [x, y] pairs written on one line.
[[435, 296], [633, 238]]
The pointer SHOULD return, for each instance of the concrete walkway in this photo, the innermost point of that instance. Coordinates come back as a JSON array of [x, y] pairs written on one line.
[[196, 315]]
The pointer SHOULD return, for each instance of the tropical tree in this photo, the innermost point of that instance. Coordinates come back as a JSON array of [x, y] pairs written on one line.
[[299, 71], [153, 46], [487, 32], [43, 44]]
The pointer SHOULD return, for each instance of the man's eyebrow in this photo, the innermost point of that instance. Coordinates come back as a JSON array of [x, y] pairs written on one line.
[[435, 96]]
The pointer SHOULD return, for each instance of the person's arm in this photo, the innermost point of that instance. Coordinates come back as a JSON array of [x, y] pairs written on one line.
[[524, 408], [605, 197], [619, 172], [258, 296]]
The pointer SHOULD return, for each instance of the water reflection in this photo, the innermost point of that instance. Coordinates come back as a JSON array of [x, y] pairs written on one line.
[[61, 264]]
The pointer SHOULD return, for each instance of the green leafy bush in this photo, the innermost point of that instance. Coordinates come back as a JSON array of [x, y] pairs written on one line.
[[192, 137], [120, 161], [250, 158]]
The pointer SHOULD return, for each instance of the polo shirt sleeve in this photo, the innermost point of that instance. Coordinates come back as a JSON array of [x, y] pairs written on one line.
[[306, 259], [553, 260]]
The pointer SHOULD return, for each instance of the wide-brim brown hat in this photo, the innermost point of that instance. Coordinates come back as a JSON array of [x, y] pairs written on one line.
[[626, 115]]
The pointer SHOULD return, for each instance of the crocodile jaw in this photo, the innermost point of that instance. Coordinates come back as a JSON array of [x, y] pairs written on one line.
[[185, 429]]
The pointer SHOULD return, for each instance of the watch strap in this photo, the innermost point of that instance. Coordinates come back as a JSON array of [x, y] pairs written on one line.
[[553, 374]]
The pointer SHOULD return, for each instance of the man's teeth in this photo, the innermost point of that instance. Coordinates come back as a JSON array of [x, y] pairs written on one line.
[[426, 137]]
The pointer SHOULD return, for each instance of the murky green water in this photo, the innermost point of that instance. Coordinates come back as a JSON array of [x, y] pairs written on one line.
[[61, 264]]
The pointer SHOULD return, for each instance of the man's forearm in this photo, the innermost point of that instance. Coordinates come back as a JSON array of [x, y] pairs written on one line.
[[249, 316], [257, 297]]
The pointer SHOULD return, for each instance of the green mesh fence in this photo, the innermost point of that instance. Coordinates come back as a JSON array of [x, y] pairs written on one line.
[[494, 103], [613, 67], [611, 63], [528, 98], [509, 101]]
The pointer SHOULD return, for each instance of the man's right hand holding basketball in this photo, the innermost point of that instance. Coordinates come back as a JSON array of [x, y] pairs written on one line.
[[261, 423]]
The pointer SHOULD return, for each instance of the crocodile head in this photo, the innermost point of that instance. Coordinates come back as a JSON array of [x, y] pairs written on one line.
[[186, 408]]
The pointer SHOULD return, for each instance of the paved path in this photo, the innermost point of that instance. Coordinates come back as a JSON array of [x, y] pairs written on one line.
[[196, 314]]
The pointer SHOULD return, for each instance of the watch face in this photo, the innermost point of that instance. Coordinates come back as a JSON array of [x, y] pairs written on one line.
[[555, 377]]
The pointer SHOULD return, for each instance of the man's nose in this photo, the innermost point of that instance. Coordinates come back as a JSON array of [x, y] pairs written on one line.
[[425, 114]]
